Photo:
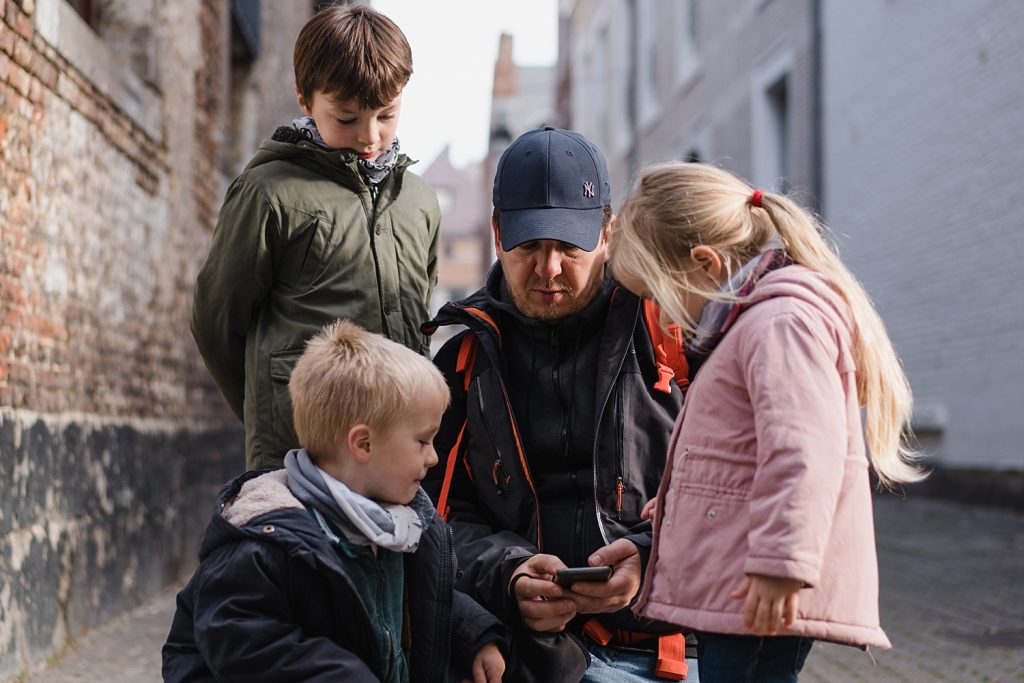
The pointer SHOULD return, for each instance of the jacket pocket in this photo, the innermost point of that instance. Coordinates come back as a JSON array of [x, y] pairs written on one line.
[[281, 365]]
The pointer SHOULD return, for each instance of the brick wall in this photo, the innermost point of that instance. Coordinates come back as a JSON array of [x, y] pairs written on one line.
[[113, 441]]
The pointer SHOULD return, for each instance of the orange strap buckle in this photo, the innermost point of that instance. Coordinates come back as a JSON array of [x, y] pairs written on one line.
[[671, 665], [597, 632], [671, 657]]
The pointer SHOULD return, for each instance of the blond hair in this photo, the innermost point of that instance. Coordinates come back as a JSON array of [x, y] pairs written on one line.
[[677, 206], [348, 376]]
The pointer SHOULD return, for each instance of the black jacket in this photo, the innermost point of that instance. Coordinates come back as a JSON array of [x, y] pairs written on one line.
[[498, 494], [270, 601]]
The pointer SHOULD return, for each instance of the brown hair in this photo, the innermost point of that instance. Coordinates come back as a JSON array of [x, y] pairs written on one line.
[[348, 376], [352, 52]]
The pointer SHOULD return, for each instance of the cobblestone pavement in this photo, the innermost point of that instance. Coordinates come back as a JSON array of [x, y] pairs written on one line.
[[952, 581]]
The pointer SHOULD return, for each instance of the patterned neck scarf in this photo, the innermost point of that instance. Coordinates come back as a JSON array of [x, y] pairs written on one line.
[[719, 316], [361, 520], [374, 171]]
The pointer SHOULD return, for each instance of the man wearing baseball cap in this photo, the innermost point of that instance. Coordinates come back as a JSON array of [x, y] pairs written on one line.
[[563, 400]]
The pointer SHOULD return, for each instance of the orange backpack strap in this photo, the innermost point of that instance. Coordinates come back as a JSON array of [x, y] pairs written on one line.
[[464, 364], [671, 658], [668, 349]]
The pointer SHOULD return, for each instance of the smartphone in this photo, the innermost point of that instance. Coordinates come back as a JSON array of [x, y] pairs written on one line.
[[566, 577]]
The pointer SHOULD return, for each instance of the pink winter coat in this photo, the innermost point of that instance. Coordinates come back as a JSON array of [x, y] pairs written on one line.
[[767, 474]]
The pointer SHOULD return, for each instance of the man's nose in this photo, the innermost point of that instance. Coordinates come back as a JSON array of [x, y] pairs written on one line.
[[549, 263]]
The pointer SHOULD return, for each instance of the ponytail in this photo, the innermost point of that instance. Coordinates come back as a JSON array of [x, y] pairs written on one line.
[[882, 386], [678, 206]]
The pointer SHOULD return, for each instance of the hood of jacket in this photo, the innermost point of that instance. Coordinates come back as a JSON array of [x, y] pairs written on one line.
[[808, 287], [338, 164], [247, 501]]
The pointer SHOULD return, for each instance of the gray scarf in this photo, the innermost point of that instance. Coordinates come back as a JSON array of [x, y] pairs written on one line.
[[718, 316], [374, 171], [361, 520]]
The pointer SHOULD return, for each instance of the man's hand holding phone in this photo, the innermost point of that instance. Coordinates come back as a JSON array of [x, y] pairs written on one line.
[[599, 597], [543, 604]]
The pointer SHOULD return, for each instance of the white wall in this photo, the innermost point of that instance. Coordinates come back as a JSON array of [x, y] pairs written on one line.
[[924, 154]]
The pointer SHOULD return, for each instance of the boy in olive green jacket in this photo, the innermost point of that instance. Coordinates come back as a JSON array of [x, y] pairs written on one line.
[[324, 223]]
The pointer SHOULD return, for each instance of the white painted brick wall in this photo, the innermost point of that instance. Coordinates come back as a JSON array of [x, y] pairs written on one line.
[[924, 157]]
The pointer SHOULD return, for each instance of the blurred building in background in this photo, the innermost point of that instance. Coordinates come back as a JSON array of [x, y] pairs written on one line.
[[465, 232], [121, 123], [898, 122], [522, 98]]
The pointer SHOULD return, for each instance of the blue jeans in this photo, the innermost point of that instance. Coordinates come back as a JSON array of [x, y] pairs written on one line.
[[751, 659], [618, 665]]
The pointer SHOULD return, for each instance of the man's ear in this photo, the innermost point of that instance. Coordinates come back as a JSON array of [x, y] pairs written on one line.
[[303, 105], [602, 242], [359, 443], [497, 235], [709, 260]]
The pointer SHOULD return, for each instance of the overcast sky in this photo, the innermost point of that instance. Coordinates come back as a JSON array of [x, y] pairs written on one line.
[[454, 46]]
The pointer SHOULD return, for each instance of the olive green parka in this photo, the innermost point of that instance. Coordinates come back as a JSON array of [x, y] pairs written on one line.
[[302, 240]]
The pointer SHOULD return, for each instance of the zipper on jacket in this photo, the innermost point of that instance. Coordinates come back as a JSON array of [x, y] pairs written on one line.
[[667, 519], [512, 425], [388, 649], [597, 432], [582, 551], [499, 476], [620, 452], [556, 381], [442, 616]]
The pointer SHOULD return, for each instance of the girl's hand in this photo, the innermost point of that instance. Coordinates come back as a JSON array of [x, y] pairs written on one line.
[[488, 665], [650, 507], [771, 602]]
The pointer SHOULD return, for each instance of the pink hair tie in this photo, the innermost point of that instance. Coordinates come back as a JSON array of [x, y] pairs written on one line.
[[756, 199]]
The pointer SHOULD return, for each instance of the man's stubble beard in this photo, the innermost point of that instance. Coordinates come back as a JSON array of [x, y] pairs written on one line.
[[554, 312]]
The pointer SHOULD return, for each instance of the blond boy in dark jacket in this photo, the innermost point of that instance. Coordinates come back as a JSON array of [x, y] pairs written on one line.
[[337, 567]]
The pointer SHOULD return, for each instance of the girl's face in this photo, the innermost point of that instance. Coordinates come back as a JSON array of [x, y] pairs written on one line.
[[705, 273]]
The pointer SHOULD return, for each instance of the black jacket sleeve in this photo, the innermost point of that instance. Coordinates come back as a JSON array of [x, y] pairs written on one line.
[[244, 627], [487, 557], [472, 628]]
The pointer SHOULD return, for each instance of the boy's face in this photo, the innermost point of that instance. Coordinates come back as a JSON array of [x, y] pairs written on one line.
[[345, 124], [402, 453]]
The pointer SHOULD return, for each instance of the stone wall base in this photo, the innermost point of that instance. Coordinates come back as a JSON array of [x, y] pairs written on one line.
[[95, 519]]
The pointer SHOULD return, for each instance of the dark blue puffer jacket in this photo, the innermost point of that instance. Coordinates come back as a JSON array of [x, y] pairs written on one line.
[[270, 601]]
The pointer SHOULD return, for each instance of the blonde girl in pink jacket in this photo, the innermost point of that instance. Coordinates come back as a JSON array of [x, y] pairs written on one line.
[[764, 538]]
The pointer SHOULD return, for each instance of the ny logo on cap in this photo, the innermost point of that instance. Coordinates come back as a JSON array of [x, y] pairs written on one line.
[[588, 189]]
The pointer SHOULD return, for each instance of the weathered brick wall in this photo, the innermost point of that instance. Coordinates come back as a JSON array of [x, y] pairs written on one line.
[[113, 441]]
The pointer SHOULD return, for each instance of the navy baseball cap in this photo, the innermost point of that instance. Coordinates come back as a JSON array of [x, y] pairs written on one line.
[[551, 184]]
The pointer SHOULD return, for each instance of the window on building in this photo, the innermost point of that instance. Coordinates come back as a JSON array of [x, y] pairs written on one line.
[[245, 30], [777, 101], [771, 108], [243, 113], [86, 9], [687, 47], [648, 61]]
